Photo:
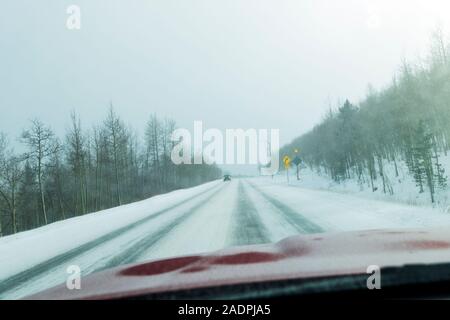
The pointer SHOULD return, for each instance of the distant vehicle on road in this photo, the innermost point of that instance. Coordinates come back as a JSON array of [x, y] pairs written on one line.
[[227, 177]]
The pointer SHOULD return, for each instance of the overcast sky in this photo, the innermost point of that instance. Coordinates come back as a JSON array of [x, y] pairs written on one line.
[[230, 63]]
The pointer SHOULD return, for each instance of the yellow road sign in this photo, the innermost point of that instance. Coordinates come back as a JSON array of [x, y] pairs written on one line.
[[287, 162]]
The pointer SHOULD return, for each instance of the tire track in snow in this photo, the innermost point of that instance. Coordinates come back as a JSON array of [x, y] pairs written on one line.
[[247, 225], [131, 254], [299, 222], [36, 271]]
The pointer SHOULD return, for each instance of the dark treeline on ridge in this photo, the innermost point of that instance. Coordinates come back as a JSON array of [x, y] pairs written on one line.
[[87, 171], [408, 122]]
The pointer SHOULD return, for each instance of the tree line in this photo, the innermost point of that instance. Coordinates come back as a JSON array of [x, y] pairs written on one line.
[[407, 121], [88, 170]]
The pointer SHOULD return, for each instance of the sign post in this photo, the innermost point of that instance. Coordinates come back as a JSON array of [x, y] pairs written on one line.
[[297, 162]]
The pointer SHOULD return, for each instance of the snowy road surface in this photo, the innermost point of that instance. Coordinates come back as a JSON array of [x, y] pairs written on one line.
[[201, 219]]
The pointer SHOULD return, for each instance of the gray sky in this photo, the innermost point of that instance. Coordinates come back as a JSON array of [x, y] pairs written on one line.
[[230, 63]]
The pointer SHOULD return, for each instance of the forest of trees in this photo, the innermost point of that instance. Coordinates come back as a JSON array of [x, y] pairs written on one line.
[[409, 122], [87, 171]]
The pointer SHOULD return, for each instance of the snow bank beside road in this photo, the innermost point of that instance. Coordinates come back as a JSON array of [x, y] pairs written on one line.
[[346, 212], [23, 250]]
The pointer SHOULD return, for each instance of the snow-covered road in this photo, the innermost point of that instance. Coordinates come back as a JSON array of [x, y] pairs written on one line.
[[201, 219]]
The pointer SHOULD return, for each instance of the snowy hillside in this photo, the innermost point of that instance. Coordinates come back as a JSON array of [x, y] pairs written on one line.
[[404, 188]]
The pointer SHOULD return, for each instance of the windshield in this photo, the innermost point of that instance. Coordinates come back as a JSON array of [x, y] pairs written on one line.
[[143, 130]]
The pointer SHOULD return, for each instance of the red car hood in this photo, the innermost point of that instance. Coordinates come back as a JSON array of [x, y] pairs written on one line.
[[304, 256]]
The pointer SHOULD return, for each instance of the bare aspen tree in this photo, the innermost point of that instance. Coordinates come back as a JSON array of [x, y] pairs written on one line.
[[76, 154], [2, 155], [115, 136], [57, 172], [133, 164], [41, 144], [10, 175], [97, 139], [152, 135], [168, 127], [439, 47]]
